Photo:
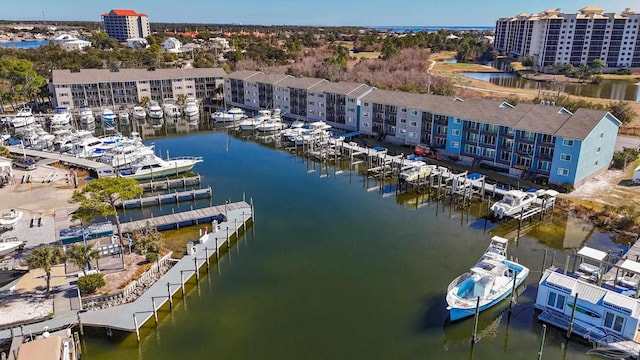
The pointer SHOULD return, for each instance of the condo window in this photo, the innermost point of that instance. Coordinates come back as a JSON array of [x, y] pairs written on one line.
[[455, 144], [565, 157], [556, 300], [563, 172], [566, 142]]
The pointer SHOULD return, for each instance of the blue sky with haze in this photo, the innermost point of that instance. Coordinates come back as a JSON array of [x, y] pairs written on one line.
[[305, 12]]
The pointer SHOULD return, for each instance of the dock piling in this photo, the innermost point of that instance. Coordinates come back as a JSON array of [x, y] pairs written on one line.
[[182, 283], [197, 270], [544, 333], [206, 255], [135, 324], [155, 312], [474, 337], [169, 295]]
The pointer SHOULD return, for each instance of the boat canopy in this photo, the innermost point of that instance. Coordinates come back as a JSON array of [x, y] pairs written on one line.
[[593, 254], [631, 265]]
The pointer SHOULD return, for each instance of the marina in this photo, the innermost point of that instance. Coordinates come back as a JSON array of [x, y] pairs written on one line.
[[349, 168]]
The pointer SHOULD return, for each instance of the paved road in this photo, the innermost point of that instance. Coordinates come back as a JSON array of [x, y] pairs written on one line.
[[624, 141]]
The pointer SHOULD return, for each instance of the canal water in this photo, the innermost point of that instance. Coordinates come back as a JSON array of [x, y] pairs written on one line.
[[606, 89], [333, 271]]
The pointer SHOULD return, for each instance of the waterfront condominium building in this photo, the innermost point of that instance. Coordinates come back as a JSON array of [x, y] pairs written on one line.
[[530, 141], [125, 24], [554, 38], [126, 87], [299, 98]]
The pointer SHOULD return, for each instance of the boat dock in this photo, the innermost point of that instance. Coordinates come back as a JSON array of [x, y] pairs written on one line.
[[182, 219], [168, 183], [101, 169], [132, 316], [174, 197]]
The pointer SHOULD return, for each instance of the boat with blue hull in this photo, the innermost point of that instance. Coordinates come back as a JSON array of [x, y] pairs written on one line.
[[488, 282]]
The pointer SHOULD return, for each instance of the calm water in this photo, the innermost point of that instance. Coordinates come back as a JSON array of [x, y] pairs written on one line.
[[333, 271], [607, 89]]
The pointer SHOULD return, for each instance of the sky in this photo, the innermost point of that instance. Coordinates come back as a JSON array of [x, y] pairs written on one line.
[[304, 12]]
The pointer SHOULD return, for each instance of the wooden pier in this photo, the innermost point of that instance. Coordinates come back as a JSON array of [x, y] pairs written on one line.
[[132, 316], [182, 219], [174, 197], [101, 169], [168, 183]]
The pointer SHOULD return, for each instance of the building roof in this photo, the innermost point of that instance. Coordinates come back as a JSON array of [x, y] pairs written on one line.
[[553, 120], [90, 76], [243, 74], [301, 82], [350, 89], [264, 78], [123, 12]]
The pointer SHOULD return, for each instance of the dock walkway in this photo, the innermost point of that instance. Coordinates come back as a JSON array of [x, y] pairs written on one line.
[[173, 197], [101, 169], [131, 316], [182, 219]]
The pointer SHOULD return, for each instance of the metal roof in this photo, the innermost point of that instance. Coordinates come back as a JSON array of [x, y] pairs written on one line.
[[631, 265], [593, 254], [621, 301], [589, 292], [561, 280]]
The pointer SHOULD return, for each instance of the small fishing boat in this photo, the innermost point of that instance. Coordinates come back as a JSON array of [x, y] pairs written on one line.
[[488, 282]]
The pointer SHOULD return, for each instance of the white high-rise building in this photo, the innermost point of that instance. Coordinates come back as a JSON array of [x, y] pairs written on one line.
[[126, 24], [551, 37]]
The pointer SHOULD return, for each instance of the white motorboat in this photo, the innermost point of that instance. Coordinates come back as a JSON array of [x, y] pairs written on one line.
[[23, 118], [191, 108], [512, 203], [61, 117], [272, 124], [488, 282], [7, 247], [108, 119], [86, 115], [123, 117], [139, 113], [10, 218], [252, 123], [420, 171], [153, 166], [231, 115], [154, 110], [170, 109]]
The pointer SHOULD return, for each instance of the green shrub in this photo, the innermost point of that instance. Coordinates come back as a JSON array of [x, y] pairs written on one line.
[[151, 257], [89, 284]]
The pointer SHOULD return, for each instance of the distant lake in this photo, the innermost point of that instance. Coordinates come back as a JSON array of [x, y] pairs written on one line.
[[607, 89], [31, 44]]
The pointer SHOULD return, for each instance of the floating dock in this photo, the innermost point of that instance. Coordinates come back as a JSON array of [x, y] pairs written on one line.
[[101, 169], [174, 197], [132, 316], [182, 219], [168, 184]]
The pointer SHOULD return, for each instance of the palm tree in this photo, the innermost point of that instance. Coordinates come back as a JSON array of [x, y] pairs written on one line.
[[44, 258], [81, 255], [145, 101]]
